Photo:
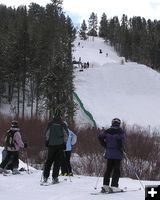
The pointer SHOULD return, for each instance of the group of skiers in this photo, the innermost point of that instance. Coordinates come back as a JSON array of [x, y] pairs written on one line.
[[59, 140]]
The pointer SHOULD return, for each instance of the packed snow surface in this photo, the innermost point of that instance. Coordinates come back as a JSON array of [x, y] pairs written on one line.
[[27, 187]]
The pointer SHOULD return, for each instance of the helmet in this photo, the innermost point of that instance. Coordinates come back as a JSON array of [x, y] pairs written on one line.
[[116, 122]]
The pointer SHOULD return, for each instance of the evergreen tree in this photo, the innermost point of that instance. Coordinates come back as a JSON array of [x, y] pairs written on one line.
[[3, 50], [59, 79], [83, 31], [23, 48], [113, 34], [124, 49], [103, 26], [92, 24], [39, 53], [36, 58]]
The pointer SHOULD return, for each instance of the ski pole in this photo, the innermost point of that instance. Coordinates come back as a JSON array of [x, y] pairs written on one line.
[[97, 179], [45, 158], [132, 168], [27, 161], [97, 182]]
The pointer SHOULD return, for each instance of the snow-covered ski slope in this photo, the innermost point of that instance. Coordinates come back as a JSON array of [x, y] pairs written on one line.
[[109, 89], [96, 91], [27, 187]]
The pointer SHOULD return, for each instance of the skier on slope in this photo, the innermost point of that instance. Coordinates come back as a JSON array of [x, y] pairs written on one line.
[[113, 140], [13, 144], [56, 135]]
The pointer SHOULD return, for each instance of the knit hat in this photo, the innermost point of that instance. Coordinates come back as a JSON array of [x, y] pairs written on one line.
[[14, 125]]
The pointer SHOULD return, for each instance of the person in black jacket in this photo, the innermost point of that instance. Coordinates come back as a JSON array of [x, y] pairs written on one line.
[[56, 135]]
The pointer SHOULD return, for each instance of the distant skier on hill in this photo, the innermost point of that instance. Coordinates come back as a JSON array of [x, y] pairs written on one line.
[[112, 139], [100, 50]]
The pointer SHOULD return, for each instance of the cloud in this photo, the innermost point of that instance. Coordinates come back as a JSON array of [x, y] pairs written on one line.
[[155, 5], [81, 9], [76, 18], [144, 8]]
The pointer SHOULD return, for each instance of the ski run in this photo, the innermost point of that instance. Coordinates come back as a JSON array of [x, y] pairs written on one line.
[[110, 89], [103, 87]]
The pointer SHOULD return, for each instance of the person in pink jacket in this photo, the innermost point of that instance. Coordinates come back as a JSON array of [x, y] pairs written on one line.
[[13, 144]]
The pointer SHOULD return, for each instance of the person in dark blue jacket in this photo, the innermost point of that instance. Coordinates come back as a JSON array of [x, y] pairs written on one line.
[[113, 140]]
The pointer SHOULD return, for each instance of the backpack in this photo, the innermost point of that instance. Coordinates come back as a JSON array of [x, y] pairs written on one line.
[[56, 134], [9, 142]]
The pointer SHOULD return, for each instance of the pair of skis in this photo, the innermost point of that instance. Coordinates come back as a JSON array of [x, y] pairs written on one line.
[[50, 183], [9, 173], [125, 189]]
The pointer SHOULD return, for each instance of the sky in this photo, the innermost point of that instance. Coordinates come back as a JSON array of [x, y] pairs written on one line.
[[81, 9]]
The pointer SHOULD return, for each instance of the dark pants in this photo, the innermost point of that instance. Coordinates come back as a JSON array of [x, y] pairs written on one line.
[[113, 168], [12, 157], [66, 165], [55, 156]]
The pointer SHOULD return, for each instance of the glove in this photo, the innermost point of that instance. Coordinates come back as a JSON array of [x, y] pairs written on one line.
[[25, 145], [46, 143], [64, 146]]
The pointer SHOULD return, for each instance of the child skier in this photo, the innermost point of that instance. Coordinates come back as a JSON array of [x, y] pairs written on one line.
[[66, 168]]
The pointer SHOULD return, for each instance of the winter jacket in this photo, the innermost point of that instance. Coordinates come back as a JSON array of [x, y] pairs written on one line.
[[113, 140], [69, 140], [56, 133], [18, 143]]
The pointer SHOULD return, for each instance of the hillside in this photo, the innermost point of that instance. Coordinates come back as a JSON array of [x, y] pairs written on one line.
[[111, 89], [107, 89]]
